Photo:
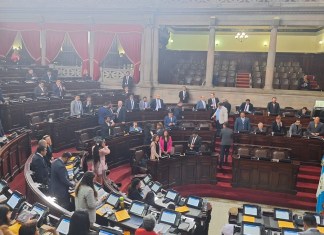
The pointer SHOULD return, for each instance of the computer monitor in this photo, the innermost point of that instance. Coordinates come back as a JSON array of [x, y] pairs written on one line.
[[195, 202], [113, 200], [40, 210], [63, 225], [14, 200], [172, 195], [282, 214], [137, 208], [97, 186], [156, 186], [170, 217], [108, 231], [147, 179], [289, 231], [251, 210], [251, 229]]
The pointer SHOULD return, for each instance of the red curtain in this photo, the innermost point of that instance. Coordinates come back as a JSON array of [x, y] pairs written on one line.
[[80, 43], [54, 41], [6, 40], [31, 41], [102, 45], [131, 42]]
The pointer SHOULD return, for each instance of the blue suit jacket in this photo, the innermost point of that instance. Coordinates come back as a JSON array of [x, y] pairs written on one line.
[[102, 113], [167, 121], [59, 180], [200, 105], [239, 125]]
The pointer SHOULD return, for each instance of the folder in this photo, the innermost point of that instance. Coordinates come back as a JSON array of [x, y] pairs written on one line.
[[285, 224], [102, 210], [182, 209], [247, 218], [122, 215], [321, 229]]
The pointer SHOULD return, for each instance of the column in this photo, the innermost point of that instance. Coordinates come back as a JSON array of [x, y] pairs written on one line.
[[146, 57], [271, 56], [210, 57], [43, 46], [155, 67], [91, 52]]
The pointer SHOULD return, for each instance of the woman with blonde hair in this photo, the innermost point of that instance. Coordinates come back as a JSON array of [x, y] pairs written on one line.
[[155, 148]]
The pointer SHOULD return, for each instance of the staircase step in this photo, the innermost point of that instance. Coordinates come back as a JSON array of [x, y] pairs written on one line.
[[306, 187], [224, 177], [119, 173], [310, 170], [308, 178]]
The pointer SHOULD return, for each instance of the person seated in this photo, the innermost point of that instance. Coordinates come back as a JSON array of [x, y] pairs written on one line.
[[149, 200], [88, 106], [30, 228], [80, 224], [130, 104], [213, 102], [303, 113], [58, 89], [166, 143], [260, 129], [39, 166], [5, 220], [134, 190], [107, 128], [48, 77], [304, 84], [135, 128], [194, 142], [227, 105], [48, 158], [201, 104], [170, 121], [40, 90], [177, 111], [242, 124], [85, 75], [155, 148], [184, 95], [147, 226], [157, 103], [159, 129], [310, 225], [144, 104], [277, 127], [273, 107], [315, 128], [30, 75], [295, 128], [246, 107]]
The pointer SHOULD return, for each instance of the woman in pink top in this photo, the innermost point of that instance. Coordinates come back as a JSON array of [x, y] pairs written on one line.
[[100, 151], [165, 143]]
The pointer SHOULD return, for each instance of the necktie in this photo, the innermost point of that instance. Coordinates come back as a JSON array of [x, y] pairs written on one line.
[[145, 105], [193, 140], [203, 102], [246, 107], [126, 80], [132, 104], [214, 103], [315, 125], [171, 119]]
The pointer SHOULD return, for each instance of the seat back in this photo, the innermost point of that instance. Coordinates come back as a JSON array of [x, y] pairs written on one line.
[[279, 155], [35, 120], [139, 155], [84, 137], [261, 153], [243, 151], [178, 149]]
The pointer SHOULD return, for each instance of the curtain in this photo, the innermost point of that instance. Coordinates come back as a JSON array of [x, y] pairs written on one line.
[[80, 43], [31, 41], [6, 40], [54, 41], [131, 42], [102, 45]]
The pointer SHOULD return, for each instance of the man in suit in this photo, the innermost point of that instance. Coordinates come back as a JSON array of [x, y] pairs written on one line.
[[296, 128], [60, 183], [201, 104], [76, 107], [194, 142], [48, 77], [310, 225], [277, 126], [177, 111], [135, 128], [30, 75], [184, 95], [226, 136], [144, 104], [260, 129], [58, 89], [120, 113], [88, 106], [315, 127], [212, 102], [157, 103], [221, 116], [246, 107], [39, 166], [127, 81], [130, 104], [170, 121], [40, 90], [242, 123], [273, 107], [103, 112], [107, 128], [227, 105]]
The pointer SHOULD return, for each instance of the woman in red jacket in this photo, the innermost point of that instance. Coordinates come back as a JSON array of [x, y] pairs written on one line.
[[165, 143]]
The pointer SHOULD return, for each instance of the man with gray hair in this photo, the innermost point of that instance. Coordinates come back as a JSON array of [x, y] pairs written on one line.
[[147, 226]]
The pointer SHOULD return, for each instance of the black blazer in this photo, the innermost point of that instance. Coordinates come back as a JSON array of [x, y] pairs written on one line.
[[121, 116], [128, 105], [184, 99], [106, 130], [60, 180], [130, 82], [87, 109], [57, 92], [250, 109], [153, 104], [210, 102], [197, 143], [278, 129], [228, 106], [273, 110], [40, 169], [38, 91]]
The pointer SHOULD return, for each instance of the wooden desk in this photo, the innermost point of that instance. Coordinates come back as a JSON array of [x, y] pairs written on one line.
[[265, 175], [184, 170]]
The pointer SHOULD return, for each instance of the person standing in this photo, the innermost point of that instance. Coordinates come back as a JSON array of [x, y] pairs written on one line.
[[242, 123], [226, 136], [157, 103], [144, 104], [99, 151], [120, 113], [49, 151], [155, 148], [127, 81], [58, 89], [39, 166], [184, 95], [88, 106], [212, 102], [221, 116], [76, 107], [273, 107]]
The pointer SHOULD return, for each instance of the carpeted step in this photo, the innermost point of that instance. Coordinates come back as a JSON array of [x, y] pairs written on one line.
[[308, 197], [308, 178], [310, 170], [224, 177], [306, 187], [125, 183], [119, 173]]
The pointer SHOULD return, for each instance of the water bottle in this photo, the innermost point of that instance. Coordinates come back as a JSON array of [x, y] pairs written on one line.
[[121, 203]]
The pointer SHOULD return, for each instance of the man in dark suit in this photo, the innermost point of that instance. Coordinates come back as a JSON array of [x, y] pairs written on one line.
[[296, 128], [260, 129], [242, 123], [31, 75], [157, 103], [246, 107], [103, 112], [213, 102], [184, 95], [170, 121], [39, 167], [273, 107], [130, 104], [194, 142], [226, 136], [315, 127], [310, 225], [107, 128], [60, 183], [227, 105], [48, 77], [120, 113], [58, 89], [177, 111], [277, 126], [40, 90], [127, 81], [88, 106]]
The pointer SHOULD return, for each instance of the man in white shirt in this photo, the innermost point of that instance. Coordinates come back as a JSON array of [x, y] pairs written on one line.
[[221, 116]]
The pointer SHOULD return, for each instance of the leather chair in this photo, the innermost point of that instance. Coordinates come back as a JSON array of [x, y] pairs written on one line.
[[279, 155], [35, 120], [243, 151], [222, 81], [139, 163], [276, 83], [284, 84], [204, 126], [84, 141], [187, 126], [178, 149], [261, 153]]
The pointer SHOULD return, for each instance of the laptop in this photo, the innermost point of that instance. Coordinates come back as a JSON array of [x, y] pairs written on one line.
[[40, 209], [136, 212], [108, 231], [15, 199], [156, 187], [290, 231], [168, 218], [63, 225], [195, 205], [171, 195]]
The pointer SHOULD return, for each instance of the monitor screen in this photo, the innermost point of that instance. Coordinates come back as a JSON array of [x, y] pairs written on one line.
[[13, 200], [286, 231], [63, 227], [192, 201], [281, 214], [155, 187], [103, 232], [113, 200], [251, 229], [318, 219], [168, 217], [147, 179], [137, 208], [38, 210], [171, 195], [250, 210]]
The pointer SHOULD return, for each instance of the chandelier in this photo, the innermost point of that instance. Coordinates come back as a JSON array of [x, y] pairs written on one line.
[[241, 36]]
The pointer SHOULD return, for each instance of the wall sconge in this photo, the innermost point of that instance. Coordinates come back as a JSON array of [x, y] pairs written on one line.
[[265, 44], [121, 54], [216, 43], [170, 40], [320, 42]]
